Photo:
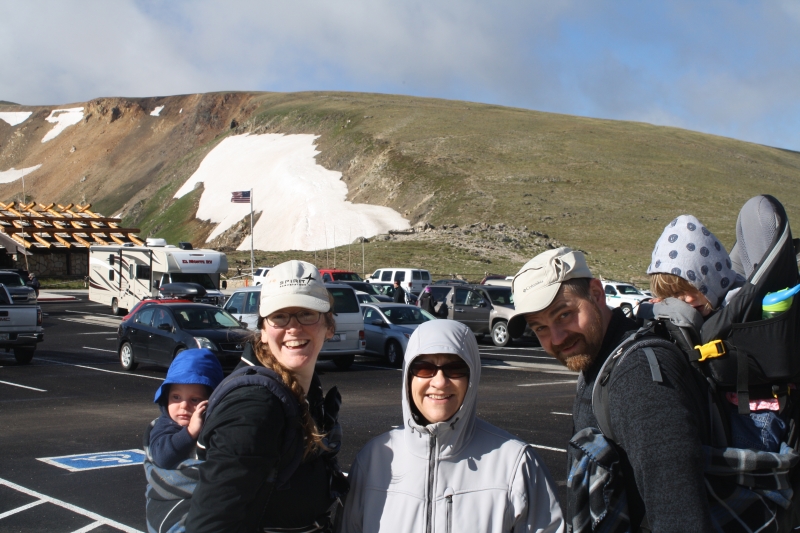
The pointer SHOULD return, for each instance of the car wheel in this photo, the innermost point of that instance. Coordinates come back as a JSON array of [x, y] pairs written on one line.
[[126, 358], [344, 362], [24, 354], [394, 353], [627, 310], [115, 307], [500, 335]]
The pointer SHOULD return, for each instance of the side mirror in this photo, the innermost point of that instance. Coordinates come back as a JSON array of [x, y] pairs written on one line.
[[378, 322], [156, 283], [165, 326], [224, 284], [232, 310]]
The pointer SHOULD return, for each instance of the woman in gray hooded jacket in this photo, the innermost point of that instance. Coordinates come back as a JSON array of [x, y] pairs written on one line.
[[445, 470]]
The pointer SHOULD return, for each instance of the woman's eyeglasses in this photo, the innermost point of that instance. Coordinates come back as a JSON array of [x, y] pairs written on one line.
[[305, 317], [424, 369]]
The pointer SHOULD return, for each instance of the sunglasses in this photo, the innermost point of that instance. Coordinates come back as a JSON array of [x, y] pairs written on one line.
[[424, 369], [305, 317]]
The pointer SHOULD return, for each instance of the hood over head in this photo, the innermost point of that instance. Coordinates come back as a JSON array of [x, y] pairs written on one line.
[[449, 337]]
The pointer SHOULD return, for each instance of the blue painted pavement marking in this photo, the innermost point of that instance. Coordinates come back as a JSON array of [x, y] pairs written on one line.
[[93, 461]]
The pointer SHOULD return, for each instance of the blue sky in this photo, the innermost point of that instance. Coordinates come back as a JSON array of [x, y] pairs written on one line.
[[726, 67]]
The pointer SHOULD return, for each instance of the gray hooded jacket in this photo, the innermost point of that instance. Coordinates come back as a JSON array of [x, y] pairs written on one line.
[[454, 476]]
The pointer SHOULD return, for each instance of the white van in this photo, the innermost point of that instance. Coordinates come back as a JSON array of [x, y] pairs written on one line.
[[349, 339], [419, 278]]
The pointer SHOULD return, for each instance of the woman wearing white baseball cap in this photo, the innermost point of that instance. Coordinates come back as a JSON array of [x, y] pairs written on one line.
[[269, 447]]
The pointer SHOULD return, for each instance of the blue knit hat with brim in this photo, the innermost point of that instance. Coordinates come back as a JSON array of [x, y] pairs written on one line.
[[689, 250], [192, 367]]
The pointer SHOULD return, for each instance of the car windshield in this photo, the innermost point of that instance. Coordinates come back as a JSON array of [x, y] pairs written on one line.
[[203, 280], [628, 289], [205, 318], [10, 279], [406, 315], [501, 296]]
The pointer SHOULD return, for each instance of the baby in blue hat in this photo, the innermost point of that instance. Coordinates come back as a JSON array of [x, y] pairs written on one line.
[[183, 398]]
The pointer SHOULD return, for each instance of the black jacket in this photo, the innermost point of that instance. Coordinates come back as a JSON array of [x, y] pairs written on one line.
[[399, 295], [243, 438], [659, 429]]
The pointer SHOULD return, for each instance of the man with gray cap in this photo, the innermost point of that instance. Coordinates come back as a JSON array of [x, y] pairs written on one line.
[[656, 424]]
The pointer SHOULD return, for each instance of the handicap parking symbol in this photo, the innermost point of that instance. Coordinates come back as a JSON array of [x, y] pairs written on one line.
[[93, 461]]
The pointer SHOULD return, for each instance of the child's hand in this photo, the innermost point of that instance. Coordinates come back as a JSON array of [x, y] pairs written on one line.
[[196, 423]]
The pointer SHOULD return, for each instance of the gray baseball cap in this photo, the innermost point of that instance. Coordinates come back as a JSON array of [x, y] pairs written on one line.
[[293, 284], [536, 284]]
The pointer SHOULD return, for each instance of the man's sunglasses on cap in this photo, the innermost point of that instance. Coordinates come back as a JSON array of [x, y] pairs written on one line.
[[425, 370]]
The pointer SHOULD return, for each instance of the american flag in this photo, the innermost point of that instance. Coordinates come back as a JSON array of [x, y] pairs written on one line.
[[240, 197]]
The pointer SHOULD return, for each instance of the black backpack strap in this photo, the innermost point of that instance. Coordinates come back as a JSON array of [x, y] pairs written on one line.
[[291, 453], [643, 339]]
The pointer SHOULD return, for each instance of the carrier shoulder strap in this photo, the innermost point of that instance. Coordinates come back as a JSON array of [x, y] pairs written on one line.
[[643, 339], [292, 449]]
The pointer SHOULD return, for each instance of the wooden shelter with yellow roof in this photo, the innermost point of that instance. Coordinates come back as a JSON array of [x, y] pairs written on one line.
[[54, 240]]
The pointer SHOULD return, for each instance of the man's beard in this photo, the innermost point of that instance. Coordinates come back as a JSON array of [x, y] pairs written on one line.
[[592, 339]]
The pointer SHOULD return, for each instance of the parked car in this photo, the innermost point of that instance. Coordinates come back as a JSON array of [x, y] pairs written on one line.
[[625, 296], [260, 275], [389, 327], [419, 278], [347, 342], [486, 309], [387, 289], [20, 292], [156, 333], [243, 305], [20, 326], [370, 288], [366, 298], [450, 282], [332, 275]]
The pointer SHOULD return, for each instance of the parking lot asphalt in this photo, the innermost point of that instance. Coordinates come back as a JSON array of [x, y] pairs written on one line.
[[71, 422]]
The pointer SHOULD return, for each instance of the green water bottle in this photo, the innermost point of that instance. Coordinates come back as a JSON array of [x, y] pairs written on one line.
[[779, 302]]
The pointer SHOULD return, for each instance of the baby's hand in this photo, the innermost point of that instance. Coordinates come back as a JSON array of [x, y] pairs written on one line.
[[196, 423]]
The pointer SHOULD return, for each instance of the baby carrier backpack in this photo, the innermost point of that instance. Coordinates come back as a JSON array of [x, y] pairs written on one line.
[[738, 354]]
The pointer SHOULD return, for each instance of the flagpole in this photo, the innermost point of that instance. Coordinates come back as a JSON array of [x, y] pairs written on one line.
[[252, 255]]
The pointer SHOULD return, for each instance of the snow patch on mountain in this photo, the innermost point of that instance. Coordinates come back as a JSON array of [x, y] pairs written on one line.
[[15, 117], [62, 118], [157, 111], [303, 204], [14, 174]]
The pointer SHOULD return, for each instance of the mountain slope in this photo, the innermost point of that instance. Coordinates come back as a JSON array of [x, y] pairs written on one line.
[[607, 187]]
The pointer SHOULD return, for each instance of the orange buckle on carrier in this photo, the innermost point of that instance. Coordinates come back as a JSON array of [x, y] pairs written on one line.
[[710, 350]]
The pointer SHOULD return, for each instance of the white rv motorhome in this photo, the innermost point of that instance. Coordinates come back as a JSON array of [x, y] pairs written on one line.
[[121, 276]]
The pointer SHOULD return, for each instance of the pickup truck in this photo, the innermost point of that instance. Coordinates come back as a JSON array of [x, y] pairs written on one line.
[[20, 327], [485, 309]]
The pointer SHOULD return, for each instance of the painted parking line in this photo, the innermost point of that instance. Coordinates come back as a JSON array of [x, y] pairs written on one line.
[[505, 354], [22, 508], [99, 349], [22, 386], [131, 374], [93, 333], [95, 461], [94, 321], [117, 318], [557, 413], [378, 367], [547, 383], [101, 520]]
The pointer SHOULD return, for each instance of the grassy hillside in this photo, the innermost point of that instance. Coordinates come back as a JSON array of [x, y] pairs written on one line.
[[606, 187]]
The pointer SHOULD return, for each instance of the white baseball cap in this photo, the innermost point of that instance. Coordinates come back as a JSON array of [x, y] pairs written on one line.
[[293, 284], [536, 284]]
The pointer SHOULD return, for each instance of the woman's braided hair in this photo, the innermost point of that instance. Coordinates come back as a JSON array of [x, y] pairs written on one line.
[[313, 436]]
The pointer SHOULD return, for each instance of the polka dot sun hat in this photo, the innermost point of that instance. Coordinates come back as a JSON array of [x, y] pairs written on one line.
[[689, 250]]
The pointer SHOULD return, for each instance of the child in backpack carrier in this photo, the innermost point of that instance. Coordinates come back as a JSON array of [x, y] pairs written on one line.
[[170, 440], [690, 264]]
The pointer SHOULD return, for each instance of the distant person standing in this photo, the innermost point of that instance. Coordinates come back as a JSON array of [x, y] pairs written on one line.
[[399, 293], [33, 283], [408, 293]]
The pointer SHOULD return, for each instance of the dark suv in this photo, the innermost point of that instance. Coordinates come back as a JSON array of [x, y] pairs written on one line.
[[484, 308]]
